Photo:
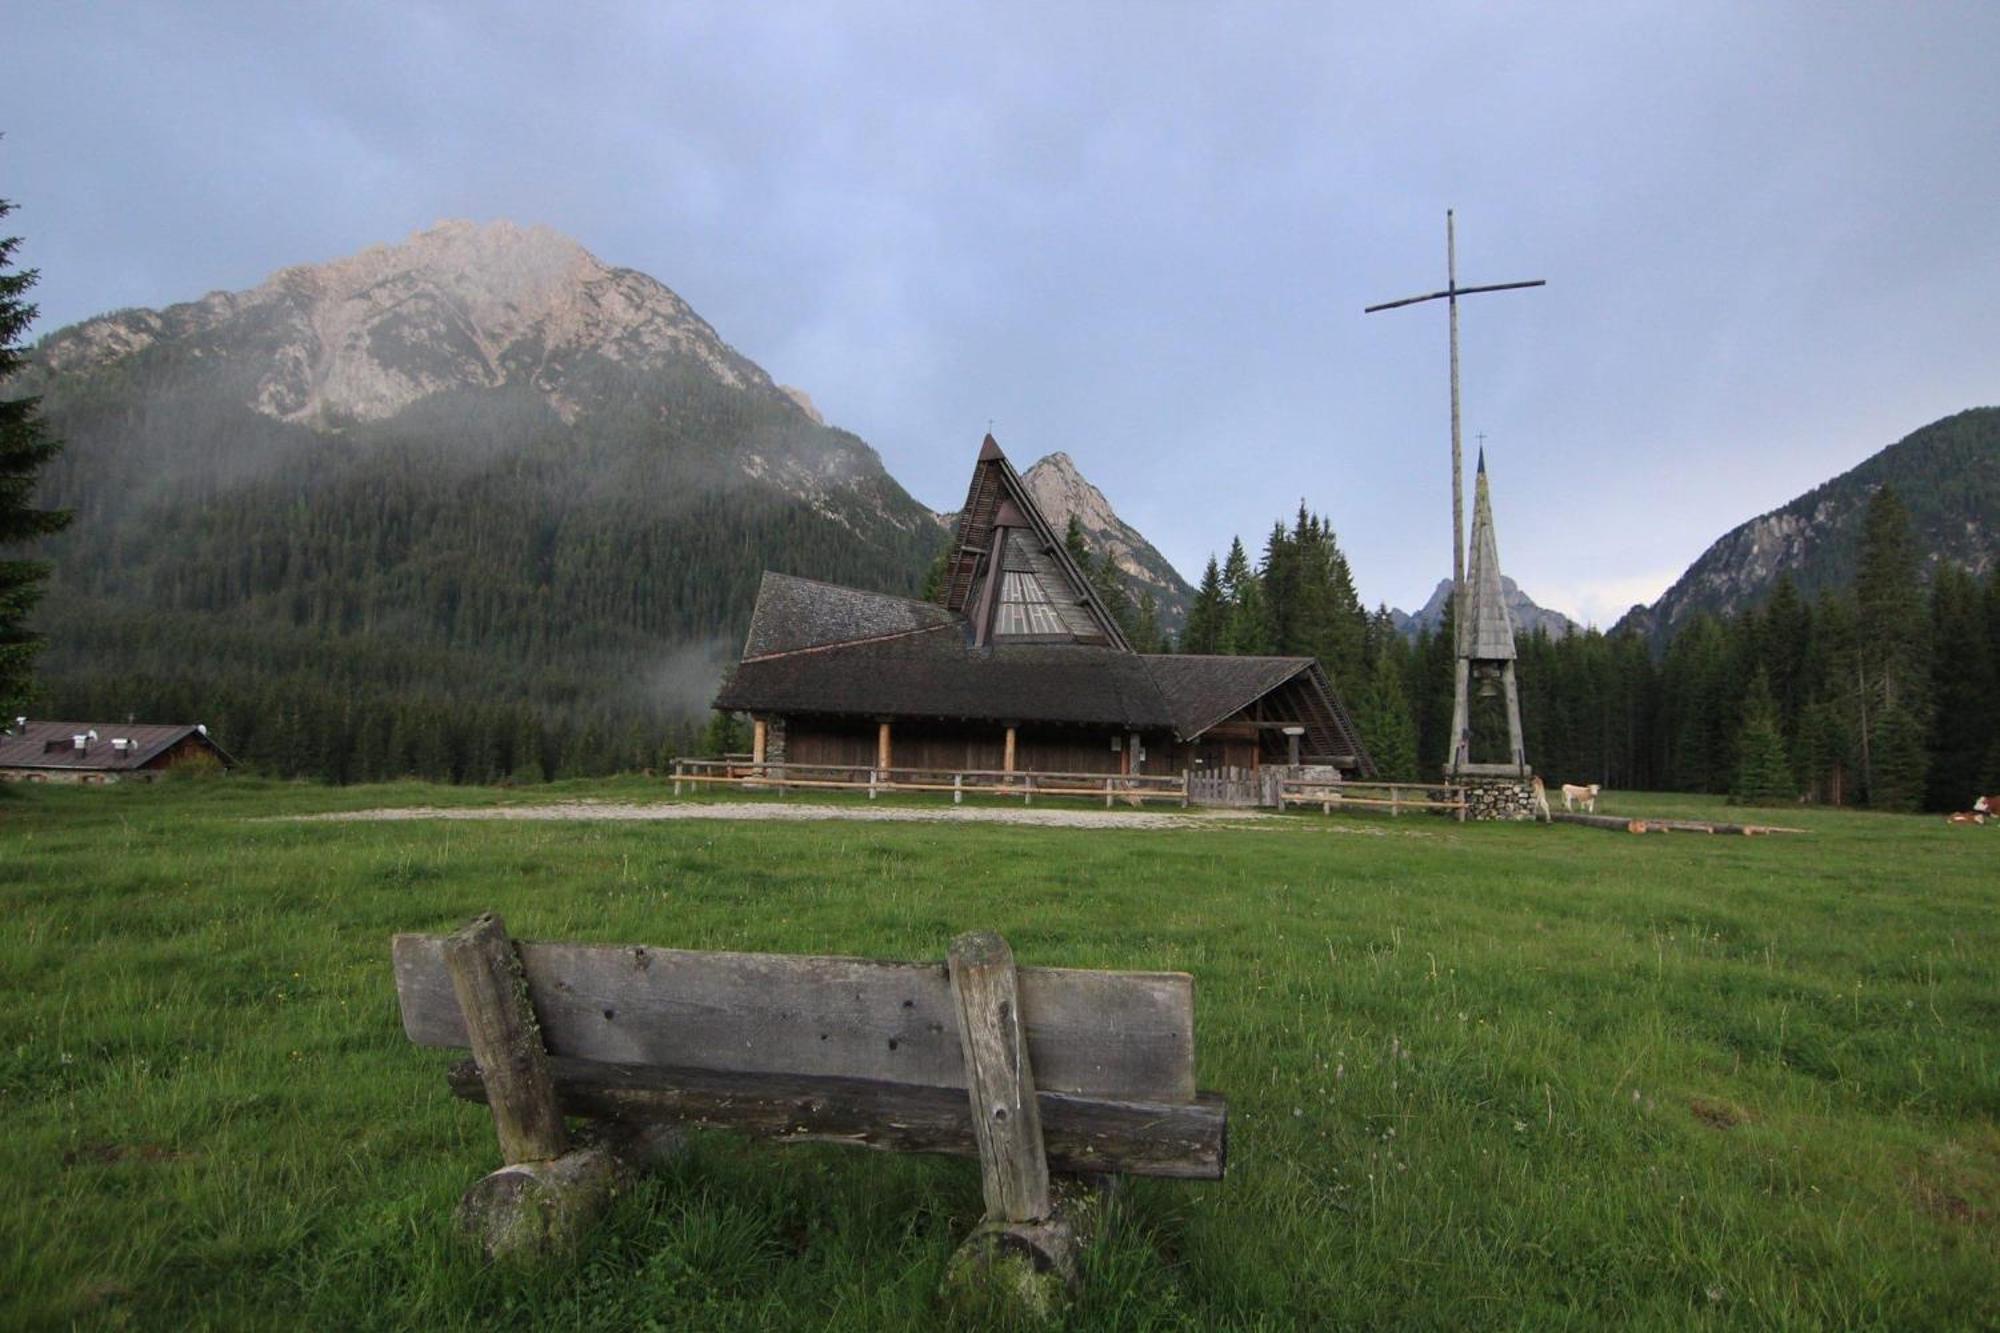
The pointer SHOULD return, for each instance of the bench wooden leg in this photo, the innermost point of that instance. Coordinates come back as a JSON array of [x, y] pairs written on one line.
[[548, 1194], [1023, 1254]]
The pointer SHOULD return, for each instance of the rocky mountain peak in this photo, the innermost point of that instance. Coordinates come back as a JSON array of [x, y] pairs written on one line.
[[1521, 609], [460, 305], [1061, 491]]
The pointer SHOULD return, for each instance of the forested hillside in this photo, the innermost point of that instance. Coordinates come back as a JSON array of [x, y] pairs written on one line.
[[536, 565], [1948, 477]]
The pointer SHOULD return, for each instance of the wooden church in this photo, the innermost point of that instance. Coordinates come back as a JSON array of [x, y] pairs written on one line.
[[1018, 667]]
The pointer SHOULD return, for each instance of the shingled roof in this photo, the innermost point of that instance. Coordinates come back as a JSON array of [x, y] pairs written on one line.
[[52, 745], [794, 613], [1489, 629], [1202, 691], [937, 673]]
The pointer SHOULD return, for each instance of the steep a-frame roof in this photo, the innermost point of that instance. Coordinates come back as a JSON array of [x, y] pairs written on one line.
[[1489, 629], [998, 493]]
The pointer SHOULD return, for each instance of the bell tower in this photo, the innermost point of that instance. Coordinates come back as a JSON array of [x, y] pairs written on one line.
[[1485, 633]]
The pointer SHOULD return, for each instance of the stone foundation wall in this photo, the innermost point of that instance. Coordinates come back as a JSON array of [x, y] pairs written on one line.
[[774, 740], [1499, 798]]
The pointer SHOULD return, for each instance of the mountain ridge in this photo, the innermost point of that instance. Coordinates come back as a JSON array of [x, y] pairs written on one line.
[[1946, 473]]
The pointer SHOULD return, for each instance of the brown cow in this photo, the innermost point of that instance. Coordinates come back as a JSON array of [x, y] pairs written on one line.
[[1966, 817]]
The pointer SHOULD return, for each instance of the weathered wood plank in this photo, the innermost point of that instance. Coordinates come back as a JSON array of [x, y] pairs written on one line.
[[1086, 1135], [500, 1026], [999, 1078], [1126, 1035]]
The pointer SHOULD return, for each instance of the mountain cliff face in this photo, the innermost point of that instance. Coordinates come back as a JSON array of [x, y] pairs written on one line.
[[1527, 616], [1062, 492], [1946, 474], [478, 481]]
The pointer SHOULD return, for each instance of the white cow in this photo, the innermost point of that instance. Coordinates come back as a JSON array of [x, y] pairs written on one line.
[[1574, 796]]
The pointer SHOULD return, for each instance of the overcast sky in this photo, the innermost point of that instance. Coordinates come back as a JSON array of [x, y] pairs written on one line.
[[1143, 234]]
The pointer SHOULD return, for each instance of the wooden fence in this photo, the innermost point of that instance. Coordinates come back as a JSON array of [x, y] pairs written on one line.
[[1131, 788], [1395, 797], [1235, 786]]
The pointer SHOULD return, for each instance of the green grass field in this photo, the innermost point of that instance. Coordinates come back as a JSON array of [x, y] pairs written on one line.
[[1479, 1076]]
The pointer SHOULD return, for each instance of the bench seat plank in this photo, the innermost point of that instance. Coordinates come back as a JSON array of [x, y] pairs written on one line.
[[1085, 1135], [1119, 1035]]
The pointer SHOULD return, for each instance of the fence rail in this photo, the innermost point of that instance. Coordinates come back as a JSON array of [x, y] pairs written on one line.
[[1395, 797], [1129, 787]]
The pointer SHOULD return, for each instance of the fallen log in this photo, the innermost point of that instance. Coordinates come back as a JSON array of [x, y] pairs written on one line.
[[1628, 824]]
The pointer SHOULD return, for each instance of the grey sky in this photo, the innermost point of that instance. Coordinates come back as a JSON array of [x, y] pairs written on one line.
[[1139, 233]]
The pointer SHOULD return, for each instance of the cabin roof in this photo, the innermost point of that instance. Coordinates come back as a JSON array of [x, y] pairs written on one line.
[[998, 499], [51, 745], [1202, 691], [936, 672], [794, 613]]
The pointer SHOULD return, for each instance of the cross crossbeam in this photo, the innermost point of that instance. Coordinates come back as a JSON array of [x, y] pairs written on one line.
[[1452, 291]]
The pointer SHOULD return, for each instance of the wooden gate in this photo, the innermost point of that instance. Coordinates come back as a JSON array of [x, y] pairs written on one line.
[[1235, 786]]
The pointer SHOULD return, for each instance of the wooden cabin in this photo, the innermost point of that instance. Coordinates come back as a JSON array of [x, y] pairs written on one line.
[[1018, 667], [99, 752]]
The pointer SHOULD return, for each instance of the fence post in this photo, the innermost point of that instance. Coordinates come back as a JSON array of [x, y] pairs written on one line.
[[1186, 774], [677, 777], [1028, 790], [871, 782], [1107, 793], [1395, 801], [957, 789]]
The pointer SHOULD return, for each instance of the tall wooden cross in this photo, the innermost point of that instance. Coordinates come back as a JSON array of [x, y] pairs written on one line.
[[1451, 293]]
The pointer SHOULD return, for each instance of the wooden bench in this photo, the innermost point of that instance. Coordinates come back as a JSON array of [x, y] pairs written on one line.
[[1047, 1076]]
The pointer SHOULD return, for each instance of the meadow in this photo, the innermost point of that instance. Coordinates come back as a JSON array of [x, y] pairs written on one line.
[[1480, 1076]]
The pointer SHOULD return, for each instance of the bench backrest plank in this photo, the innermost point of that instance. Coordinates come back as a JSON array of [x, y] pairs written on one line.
[[1105, 1034]]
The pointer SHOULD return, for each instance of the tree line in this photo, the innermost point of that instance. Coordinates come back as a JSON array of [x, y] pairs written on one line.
[[1883, 693]]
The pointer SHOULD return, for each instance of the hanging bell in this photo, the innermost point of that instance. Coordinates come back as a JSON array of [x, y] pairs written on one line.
[[1489, 681]]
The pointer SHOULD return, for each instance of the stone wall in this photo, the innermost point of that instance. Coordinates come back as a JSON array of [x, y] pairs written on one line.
[[774, 740], [1499, 798]]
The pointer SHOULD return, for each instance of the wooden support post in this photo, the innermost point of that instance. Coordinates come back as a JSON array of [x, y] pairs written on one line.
[[760, 732], [1007, 761], [883, 757], [958, 789], [547, 1196], [1005, 1118], [1023, 1253], [506, 1041]]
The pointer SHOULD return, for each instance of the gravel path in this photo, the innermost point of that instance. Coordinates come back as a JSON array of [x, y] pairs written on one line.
[[1148, 819]]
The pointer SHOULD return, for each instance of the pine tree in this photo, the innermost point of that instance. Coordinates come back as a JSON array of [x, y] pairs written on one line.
[[1207, 617], [1963, 685], [25, 447], [1382, 712], [725, 735], [1145, 634], [1896, 779], [1891, 642], [1763, 774]]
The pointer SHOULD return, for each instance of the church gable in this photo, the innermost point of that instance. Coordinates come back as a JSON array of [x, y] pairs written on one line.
[[1009, 573]]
